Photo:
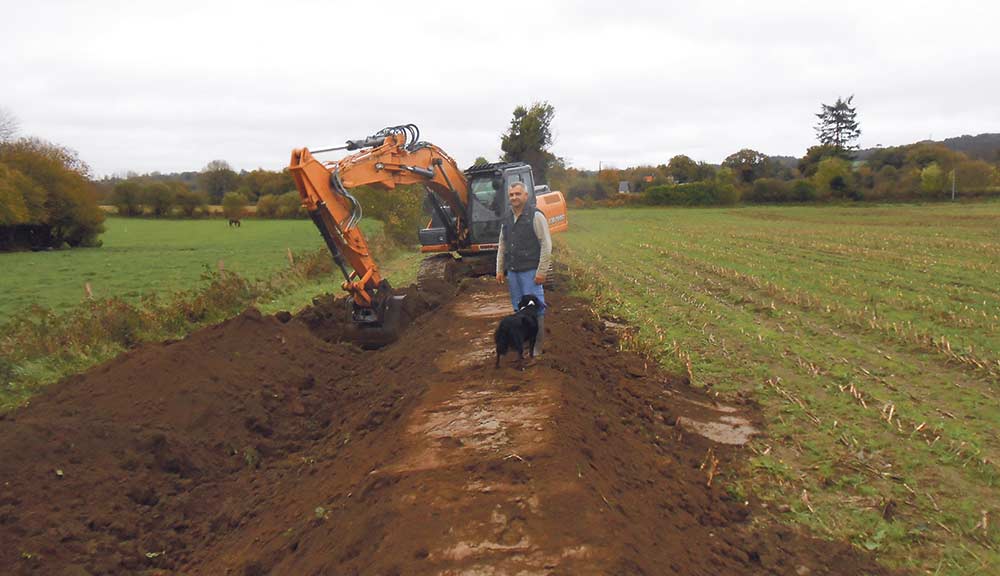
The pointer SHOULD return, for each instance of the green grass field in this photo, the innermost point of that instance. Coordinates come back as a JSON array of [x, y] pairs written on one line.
[[168, 259], [144, 256], [868, 335]]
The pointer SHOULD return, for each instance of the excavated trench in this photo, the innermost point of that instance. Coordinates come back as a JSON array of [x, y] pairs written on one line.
[[261, 447]]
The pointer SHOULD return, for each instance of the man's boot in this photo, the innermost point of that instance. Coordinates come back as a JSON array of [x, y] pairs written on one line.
[[540, 336]]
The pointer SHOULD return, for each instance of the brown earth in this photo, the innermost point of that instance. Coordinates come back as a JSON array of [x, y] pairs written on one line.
[[255, 447]]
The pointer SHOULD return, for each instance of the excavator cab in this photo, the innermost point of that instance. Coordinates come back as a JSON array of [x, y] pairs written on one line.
[[488, 185]]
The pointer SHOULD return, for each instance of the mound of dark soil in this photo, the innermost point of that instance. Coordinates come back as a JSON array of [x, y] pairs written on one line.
[[329, 317], [266, 447]]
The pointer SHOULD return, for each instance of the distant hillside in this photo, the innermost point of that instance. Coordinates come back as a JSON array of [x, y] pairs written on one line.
[[982, 147]]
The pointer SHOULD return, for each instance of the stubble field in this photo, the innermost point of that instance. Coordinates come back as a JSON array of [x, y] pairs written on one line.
[[869, 336]]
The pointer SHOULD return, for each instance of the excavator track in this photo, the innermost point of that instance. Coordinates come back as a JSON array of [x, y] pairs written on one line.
[[450, 270], [436, 269]]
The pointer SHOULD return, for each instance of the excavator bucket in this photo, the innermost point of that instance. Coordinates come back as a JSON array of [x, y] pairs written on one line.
[[382, 330]]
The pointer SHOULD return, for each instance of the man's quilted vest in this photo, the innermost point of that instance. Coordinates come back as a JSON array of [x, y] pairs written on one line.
[[521, 247]]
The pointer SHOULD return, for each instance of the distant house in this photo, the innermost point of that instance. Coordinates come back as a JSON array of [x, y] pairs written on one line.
[[623, 187]]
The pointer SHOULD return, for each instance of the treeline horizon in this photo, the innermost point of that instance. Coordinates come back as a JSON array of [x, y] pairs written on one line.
[[48, 198], [919, 171], [188, 194]]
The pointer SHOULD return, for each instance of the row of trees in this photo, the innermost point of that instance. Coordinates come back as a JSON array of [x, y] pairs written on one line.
[[139, 196], [922, 171], [189, 194], [287, 205], [143, 196], [212, 183], [217, 178], [827, 171]]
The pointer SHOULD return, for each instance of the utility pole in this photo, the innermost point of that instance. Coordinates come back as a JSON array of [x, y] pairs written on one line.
[[953, 185]]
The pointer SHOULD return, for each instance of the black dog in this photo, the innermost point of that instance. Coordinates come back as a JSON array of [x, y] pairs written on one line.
[[517, 329]]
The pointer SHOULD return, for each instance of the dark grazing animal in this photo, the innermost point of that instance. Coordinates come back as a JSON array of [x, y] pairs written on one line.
[[518, 329], [234, 222]]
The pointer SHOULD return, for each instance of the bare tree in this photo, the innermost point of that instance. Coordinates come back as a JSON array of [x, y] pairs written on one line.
[[8, 125]]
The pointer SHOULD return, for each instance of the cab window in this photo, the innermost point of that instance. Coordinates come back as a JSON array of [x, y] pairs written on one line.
[[484, 194]]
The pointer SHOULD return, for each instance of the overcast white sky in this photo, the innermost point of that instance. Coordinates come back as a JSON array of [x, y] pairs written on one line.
[[170, 85]]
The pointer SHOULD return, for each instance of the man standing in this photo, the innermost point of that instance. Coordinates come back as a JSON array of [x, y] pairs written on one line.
[[524, 253]]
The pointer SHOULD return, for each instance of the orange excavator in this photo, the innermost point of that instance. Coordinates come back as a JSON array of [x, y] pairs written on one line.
[[466, 209]]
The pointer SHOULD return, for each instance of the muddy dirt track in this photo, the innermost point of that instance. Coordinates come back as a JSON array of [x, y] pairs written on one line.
[[255, 447]]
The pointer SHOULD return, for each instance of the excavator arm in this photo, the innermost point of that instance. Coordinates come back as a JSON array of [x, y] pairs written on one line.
[[392, 157]]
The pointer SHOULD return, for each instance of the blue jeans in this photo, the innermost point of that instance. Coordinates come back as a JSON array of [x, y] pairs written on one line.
[[522, 284]]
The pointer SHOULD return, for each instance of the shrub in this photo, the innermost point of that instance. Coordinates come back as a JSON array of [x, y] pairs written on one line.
[[616, 201], [126, 196], [233, 204], [666, 194], [885, 182], [932, 180], [401, 210], [769, 190], [290, 205], [833, 179], [15, 188], [727, 187], [706, 193], [287, 205], [802, 191], [189, 202], [267, 207], [159, 197], [908, 184], [974, 176], [68, 213]]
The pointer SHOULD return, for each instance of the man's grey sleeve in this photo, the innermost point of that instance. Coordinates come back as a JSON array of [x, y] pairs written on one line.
[[500, 254], [541, 226]]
